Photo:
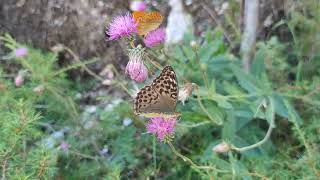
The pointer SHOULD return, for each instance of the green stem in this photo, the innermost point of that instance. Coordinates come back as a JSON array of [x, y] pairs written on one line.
[[154, 155], [83, 65], [184, 158], [304, 141], [203, 71], [242, 149], [119, 81], [207, 112]]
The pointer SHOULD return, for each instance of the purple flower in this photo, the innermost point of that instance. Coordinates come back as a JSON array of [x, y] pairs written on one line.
[[20, 52], [19, 79], [162, 128], [138, 5], [104, 151], [155, 37], [136, 68], [64, 146], [122, 26]]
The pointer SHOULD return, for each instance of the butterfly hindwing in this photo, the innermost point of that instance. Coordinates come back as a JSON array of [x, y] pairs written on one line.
[[166, 83], [147, 21], [160, 98]]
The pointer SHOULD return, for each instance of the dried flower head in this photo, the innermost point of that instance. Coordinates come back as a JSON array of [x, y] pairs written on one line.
[[162, 128], [135, 67], [155, 37], [39, 89], [122, 26], [20, 52], [108, 75], [221, 148], [138, 5], [186, 91], [57, 48]]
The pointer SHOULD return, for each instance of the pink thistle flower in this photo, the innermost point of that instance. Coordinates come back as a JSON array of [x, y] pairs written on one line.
[[155, 37], [20, 52], [122, 26], [64, 146], [135, 67], [162, 128], [19, 79], [138, 5]]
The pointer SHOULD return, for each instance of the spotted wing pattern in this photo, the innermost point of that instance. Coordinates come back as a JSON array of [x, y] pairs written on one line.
[[160, 98]]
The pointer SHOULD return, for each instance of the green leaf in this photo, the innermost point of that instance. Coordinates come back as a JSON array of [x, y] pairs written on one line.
[[257, 66], [230, 126], [214, 111], [246, 81], [270, 112], [293, 115], [222, 101], [280, 106]]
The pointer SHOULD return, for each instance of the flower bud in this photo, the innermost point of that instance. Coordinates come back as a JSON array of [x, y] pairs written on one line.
[[135, 67], [21, 52], [39, 89], [57, 48], [64, 146], [221, 148], [18, 80], [194, 45], [138, 5]]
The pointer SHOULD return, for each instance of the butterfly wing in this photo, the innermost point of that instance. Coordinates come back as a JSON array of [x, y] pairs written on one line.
[[160, 98], [147, 21]]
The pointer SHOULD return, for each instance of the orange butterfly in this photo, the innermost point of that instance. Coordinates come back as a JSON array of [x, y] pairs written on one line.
[[147, 21]]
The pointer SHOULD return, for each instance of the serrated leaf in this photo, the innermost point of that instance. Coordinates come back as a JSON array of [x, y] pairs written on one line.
[[293, 115], [214, 111], [246, 81], [222, 101], [257, 66], [280, 107], [270, 112], [229, 126]]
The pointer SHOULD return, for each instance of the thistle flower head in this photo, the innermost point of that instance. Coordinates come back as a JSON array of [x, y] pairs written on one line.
[[135, 67], [186, 91], [19, 79], [122, 26], [20, 52], [138, 5], [221, 148], [162, 128], [155, 37], [64, 146]]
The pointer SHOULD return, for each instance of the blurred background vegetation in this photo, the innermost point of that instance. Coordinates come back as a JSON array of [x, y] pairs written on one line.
[[70, 116]]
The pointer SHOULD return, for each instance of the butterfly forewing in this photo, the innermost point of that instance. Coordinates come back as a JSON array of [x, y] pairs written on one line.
[[147, 21], [160, 97]]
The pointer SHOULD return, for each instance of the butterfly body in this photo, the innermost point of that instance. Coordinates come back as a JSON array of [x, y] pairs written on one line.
[[147, 21], [160, 98]]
